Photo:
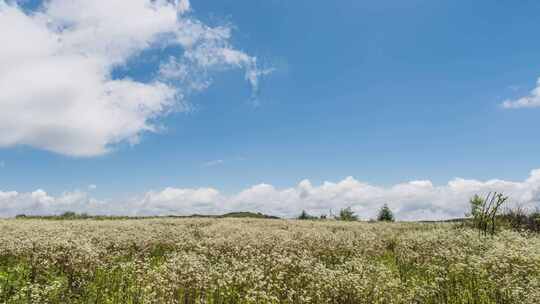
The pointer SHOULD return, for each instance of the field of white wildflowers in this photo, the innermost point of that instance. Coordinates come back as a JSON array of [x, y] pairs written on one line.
[[263, 261]]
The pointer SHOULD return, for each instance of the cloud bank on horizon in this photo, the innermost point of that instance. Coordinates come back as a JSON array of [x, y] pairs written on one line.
[[414, 200], [62, 96]]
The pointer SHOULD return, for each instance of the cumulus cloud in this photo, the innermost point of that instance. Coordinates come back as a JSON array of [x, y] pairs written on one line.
[[40, 202], [172, 200], [57, 90], [414, 200], [530, 101]]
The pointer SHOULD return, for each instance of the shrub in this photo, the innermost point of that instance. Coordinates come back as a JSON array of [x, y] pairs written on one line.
[[521, 219], [347, 215], [305, 216], [385, 214], [485, 211]]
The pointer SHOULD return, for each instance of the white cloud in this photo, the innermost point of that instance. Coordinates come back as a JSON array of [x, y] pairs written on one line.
[[92, 187], [172, 200], [40, 202], [213, 163], [206, 48], [530, 101], [56, 87], [2, 164], [410, 201]]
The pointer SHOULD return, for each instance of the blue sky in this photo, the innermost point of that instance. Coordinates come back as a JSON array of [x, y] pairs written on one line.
[[386, 91]]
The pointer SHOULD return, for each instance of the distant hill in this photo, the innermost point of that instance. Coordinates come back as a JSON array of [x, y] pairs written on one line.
[[454, 220], [84, 216], [248, 214]]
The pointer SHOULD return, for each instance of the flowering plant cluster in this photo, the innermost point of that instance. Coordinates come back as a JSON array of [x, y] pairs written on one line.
[[263, 261]]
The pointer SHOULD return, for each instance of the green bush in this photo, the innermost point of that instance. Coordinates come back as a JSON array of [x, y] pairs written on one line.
[[485, 211], [521, 219], [347, 215], [385, 214], [305, 216]]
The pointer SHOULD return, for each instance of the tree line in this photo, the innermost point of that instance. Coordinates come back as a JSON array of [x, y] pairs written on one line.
[[385, 214]]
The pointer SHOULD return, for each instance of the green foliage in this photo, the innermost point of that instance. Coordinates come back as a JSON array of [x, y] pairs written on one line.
[[485, 211], [347, 214], [305, 216], [477, 204], [521, 219], [385, 214]]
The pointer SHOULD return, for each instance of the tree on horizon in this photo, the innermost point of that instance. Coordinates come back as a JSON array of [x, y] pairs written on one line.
[[347, 215], [385, 214]]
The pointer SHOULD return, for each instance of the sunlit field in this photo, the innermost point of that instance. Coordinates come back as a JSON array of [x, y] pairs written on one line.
[[263, 261]]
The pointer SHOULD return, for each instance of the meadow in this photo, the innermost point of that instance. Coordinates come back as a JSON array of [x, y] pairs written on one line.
[[263, 261]]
